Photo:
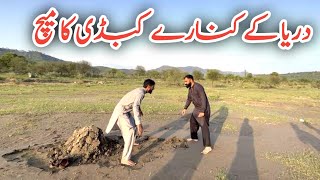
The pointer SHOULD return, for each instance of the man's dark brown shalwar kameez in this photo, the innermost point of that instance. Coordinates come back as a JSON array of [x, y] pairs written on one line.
[[198, 97]]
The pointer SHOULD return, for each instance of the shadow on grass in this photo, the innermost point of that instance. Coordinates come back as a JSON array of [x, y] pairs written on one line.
[[306, 137]]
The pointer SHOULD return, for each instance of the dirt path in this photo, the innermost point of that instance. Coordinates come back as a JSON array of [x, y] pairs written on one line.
[[239, 152]]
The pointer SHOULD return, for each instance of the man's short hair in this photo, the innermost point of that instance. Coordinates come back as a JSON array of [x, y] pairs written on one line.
[[189, 76], [148, 82]]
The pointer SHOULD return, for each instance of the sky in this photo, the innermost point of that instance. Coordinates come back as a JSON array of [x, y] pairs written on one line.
[[16, 17]]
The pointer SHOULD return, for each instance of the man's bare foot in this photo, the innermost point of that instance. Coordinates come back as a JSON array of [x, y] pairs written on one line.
[[136, 144], [206, 150], [128, 163]]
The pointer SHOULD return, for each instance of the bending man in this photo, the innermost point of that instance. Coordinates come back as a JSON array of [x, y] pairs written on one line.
[[127, 122]]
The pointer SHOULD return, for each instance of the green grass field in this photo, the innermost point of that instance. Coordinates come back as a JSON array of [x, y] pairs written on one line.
[[300, 165], [264, 105], [242, 100]]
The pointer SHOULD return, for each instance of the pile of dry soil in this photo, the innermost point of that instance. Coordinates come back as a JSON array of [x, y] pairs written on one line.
[[85, 145]]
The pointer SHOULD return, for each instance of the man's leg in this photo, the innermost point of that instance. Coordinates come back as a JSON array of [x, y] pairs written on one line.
[[131, 121], [129, 138], [206, 137], [128, 134], [194, 127]]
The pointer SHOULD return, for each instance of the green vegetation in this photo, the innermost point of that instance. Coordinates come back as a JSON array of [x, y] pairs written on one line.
[[19, 68], [300, 165], [221, 174], [50, 87], [12, 63], [213, 75], [46, 87], [90, 96], [311, 76], [198, 75]]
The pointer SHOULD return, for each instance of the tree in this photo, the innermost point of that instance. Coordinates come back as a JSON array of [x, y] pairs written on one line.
[[274, 74], [95, 72], [5, 62], [112, 72], [115, 73], [230, 77], [84, 68], [72, 69], [40, 68], [274, 78], [19, 65], [213, 75], [62, 69], [153, 74], [198, 75], [249, 76], [140, 71], [120, 74], [173, 76]]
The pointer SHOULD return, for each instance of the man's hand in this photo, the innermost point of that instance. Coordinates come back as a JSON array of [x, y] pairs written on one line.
[[183, 112], [201, 115], [140, 129]]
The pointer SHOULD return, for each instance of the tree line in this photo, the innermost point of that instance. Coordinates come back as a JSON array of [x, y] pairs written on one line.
[[13, 63]]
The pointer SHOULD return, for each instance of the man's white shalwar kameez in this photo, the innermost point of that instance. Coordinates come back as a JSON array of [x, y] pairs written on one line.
[[124, 119]]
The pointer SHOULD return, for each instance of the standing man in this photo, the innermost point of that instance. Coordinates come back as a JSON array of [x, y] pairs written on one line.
[[127, 122], [201, 113]]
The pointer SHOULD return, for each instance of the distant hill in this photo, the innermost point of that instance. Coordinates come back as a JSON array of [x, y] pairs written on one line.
[[103, 69], [31, 55], [190, 69]]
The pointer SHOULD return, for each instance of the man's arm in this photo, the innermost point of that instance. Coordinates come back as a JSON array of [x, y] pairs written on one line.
[[136, 109], [137, 113], [188, 102], [140, 111], [203, 99]]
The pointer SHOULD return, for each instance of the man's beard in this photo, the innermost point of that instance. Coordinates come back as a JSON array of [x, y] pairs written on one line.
[[150, 92], [187, 85]]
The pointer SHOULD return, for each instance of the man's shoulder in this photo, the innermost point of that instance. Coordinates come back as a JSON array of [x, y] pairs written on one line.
[[140, 91], [198, 85], [134, 91]]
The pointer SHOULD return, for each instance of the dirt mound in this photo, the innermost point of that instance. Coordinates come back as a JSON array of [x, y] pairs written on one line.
[[84, 146], [88, 142]]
